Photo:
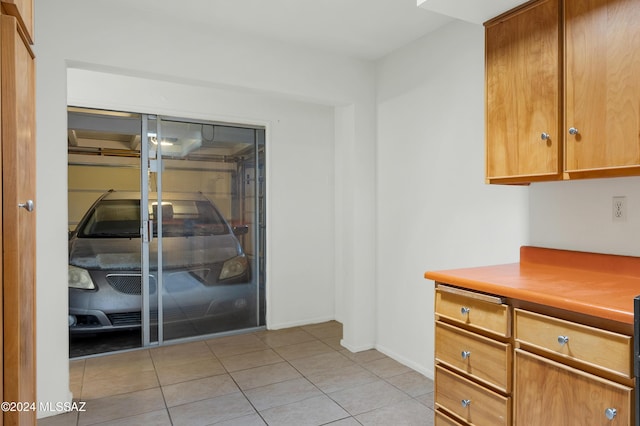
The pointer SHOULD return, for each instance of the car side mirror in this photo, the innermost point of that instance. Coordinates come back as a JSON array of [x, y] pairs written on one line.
[[240, 229]]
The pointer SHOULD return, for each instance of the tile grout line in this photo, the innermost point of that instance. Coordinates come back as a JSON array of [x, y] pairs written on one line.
[[314, 339], [155, 370]]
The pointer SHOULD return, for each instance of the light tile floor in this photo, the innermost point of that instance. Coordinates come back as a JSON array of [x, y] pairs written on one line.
[[297, 376]]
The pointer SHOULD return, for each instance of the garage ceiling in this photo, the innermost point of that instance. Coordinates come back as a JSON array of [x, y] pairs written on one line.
[[98, 133]]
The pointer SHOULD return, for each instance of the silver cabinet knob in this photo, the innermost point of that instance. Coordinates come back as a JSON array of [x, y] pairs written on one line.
[[545, 136], [464, 310], [563, 340], [573, 131], [465, 354], [465, 403], [610, 413], [28, 206]]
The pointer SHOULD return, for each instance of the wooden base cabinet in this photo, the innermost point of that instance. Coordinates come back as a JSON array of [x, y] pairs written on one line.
[[473, 358], [497, 363], [549, 393]]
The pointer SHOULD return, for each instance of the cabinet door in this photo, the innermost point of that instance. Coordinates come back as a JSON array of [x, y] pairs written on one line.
[[549, 393], [18, 231], [523, 101], [602, 87]]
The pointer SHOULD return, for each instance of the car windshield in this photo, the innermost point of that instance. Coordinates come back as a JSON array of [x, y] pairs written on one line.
[[180, 218]]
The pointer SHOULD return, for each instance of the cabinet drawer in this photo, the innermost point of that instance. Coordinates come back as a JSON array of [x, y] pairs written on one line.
[[469, 401], [476, 310], [480, 357], [442, 419], [593, 346]]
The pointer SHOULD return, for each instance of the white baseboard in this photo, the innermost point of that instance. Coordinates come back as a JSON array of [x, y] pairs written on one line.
[[355, 348], [279, 326], [427, 372]]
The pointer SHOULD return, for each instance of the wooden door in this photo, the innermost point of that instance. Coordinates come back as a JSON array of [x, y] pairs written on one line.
[[523, 94], [23, 11], [602, 85], [18, 186], [549, 393]]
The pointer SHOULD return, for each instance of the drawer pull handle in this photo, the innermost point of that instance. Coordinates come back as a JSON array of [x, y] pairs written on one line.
[[465, 354], [464, 310], [610, 413], [465, 403], [563, 340]]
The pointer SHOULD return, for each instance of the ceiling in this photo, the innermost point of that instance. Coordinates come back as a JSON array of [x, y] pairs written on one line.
[[365, 29]]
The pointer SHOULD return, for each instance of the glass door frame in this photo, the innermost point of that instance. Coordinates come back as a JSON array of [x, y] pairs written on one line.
[[154, 163]]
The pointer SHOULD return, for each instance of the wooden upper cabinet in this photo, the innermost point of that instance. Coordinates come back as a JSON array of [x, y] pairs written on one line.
[[562, 91], [523, 101], [23, 11], [602, 88]]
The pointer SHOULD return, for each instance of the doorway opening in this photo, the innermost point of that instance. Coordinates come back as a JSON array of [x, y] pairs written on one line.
[[166, 229]]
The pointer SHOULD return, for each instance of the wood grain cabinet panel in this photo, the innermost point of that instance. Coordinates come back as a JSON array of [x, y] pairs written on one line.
[[474, 312], [442, 419], [589, 345], [22, 10], [602, 86], [523, 139], [549, 393], [469, 401], [18, 230], [482, 358]]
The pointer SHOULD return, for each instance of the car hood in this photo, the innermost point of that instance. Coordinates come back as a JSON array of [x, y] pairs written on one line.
[[178, 252]]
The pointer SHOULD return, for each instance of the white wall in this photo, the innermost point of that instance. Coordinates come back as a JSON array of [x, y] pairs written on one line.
[[138, 61], [434, 210], [577, 215]]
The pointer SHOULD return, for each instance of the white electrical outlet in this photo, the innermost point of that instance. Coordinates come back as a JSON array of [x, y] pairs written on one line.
[[619, 209]]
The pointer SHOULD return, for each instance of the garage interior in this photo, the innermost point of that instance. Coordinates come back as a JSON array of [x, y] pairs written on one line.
[[224, 162]]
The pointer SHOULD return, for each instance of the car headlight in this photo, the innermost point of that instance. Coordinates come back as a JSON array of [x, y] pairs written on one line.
[[234, 267], [80, 278]]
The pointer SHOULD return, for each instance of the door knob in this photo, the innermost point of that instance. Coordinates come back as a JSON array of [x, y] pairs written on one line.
[[573, 131], [28, 206]]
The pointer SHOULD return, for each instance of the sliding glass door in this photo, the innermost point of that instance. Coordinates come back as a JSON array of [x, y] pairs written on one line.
[[202, 215], [166, 229]]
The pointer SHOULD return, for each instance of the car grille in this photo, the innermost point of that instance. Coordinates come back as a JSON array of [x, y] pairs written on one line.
[[130, 283], [125, 318]]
